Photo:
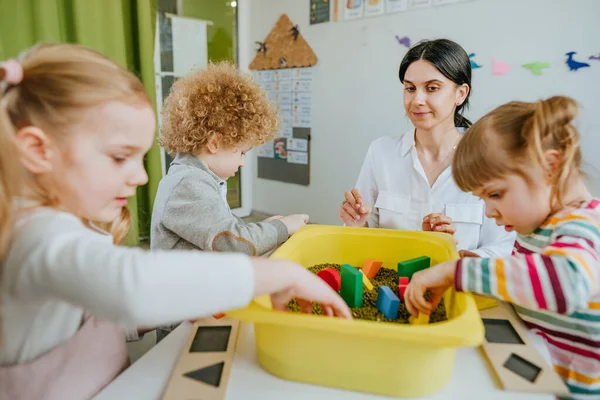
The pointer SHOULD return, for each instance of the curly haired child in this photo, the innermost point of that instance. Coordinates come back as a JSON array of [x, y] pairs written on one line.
[[211, 119], [523, 160]]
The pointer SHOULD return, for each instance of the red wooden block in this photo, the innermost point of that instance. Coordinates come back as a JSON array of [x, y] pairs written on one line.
[[402, 284], [219, 315], [332, 277]]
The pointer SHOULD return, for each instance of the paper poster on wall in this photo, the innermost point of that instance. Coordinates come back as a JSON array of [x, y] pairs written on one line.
[[416, 4], [302, 85], [286, 132], [297, 157], [319, 11], [189, 43], [297, 144], [301, 98], [374, 8], [353, 9], [394, 6], [282, 75], [264, 76], [280, 150], [266, 150]]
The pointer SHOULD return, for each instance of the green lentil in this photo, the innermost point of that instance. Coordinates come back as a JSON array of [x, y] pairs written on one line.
[[386, 277]]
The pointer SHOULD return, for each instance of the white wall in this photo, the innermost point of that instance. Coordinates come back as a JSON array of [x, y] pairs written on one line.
[[358, 97]]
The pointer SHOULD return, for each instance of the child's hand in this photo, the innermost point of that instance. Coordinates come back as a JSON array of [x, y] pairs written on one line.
[[307, 289], [353, 210], [437, 222], [274, 217], [436, 279], [285, 280], [294, 222], [467, 253]]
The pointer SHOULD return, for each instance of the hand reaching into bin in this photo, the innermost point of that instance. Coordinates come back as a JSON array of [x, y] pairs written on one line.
[[436, 279], [285, 280]]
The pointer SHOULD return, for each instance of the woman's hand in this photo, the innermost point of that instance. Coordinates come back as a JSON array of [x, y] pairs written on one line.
[[353, 210], [437, 222], [436, 279]]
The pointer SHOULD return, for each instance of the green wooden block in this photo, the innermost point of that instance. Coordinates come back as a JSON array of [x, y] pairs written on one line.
[[409, 267], [352, 286]]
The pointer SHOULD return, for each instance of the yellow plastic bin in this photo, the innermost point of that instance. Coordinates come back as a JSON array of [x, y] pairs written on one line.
[[365, 356]]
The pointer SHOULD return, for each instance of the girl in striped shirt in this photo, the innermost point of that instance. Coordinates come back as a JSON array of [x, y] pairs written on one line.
[[523, 160]]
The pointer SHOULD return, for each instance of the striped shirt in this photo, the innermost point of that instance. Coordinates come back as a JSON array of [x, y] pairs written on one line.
[[552, 280]]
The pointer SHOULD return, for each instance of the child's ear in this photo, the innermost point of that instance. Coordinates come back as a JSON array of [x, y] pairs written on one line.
[[36, 152], [552, 158], [213, 144]]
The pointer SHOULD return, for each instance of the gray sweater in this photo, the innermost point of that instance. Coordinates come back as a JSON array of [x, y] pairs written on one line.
[[191, 212]]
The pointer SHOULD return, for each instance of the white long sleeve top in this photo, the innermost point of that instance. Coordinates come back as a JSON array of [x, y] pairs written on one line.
[[393, 181], [57, 269]]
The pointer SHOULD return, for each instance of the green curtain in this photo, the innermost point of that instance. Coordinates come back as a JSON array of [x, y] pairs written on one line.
[[123, 30]]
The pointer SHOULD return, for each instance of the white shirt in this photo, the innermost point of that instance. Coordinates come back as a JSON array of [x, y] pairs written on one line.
[[393, 181], [57, 268]]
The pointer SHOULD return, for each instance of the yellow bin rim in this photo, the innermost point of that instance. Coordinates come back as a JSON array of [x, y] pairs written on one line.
[[260, 310]]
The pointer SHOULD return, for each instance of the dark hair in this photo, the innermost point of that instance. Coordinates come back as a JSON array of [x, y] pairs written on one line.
[[451, 60]]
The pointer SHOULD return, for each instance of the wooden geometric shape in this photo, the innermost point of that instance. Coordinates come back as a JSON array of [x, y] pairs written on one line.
[[210, 339], [371, 268], [366, 281], [387, 302], [409, 267], [522, 367], [210, 375], [500, 331], [352, 286], [402, 285], [210, 367], [331, 277], [421, 319], [506, 368]]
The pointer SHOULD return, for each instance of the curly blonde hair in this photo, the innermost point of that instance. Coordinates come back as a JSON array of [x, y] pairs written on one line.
[[219, 101]]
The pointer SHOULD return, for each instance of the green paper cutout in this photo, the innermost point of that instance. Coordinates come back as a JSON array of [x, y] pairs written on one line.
[[536, 67]]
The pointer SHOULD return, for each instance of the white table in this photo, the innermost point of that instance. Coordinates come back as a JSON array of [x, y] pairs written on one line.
[[147, 378]]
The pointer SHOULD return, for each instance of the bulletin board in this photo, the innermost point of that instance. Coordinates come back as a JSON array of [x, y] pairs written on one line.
[[284, 67]]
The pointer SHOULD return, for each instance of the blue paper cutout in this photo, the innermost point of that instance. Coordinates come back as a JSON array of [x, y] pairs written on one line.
[[473, 63], [574, 65]]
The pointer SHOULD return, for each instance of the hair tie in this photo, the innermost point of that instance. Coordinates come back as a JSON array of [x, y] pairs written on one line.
[[11, 72]]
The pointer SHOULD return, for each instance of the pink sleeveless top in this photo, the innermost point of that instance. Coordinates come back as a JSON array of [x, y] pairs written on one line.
[[77, 369]]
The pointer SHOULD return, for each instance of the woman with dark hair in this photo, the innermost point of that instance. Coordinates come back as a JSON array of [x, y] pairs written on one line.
[[405, 181]]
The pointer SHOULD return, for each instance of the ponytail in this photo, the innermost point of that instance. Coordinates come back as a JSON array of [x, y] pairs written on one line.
[[10, 184], [10, 74], [550, 127]]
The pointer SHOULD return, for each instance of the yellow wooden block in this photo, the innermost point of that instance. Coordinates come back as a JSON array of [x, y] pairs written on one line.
[[422, 319], [366, 281]]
